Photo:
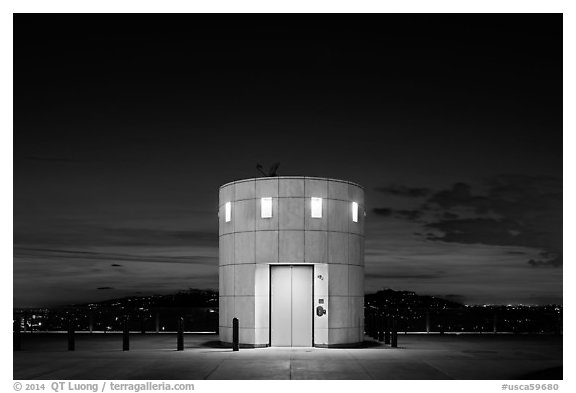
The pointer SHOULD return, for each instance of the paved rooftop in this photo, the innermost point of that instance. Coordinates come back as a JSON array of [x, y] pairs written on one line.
[[153, 356]]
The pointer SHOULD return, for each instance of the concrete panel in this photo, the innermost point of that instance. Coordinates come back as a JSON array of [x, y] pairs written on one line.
[[356, 311], [262, 336], [226, 287], [246, 336], [225, 334], [225, 227], [337, 190], [356, 194], [262, 311], [226, 310], [266, 246], [291, 187], [226, 194], [321, 322], [355, 280], [244, 215], [340, 336], [267, 187], [226, 249], [221, 317], [291, 213], [316, 188], [266, 223], [244, 276], [317, 224], [339, 215], [316, 247], [355, 251], [244, 311], [245, 190], [262, 280], [337, 313], [337, 247], [244, 247], [321, 283], [320, 336], [337, 280], [291, 246], [354, 335]]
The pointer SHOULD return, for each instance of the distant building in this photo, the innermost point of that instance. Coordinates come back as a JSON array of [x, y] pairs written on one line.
[[292, 261]]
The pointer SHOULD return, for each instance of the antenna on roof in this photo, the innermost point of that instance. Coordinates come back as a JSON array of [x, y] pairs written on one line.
[[272, 172]]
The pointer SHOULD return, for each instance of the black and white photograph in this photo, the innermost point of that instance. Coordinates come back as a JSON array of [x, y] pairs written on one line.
[[287, 197]]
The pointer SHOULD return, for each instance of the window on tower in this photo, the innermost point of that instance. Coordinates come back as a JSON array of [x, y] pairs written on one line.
[[266, 207], [316, 207], [228, 211]]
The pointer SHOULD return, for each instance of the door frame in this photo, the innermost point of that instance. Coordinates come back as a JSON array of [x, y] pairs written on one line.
[[313, 266]]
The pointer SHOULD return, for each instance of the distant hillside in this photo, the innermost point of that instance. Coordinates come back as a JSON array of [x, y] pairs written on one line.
[[404, 299], [188, 298], [209, 298]]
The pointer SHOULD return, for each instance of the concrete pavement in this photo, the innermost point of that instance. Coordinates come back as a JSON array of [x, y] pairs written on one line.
[[153, 356]]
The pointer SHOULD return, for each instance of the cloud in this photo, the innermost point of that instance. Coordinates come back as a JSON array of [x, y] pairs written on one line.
[[410, 276], [412, 215], [403, 191], [60, 254], [382, 211], [512, 210], [529, 211], [554, 262]]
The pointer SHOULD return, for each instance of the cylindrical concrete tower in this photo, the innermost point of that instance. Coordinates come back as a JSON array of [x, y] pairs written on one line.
[[292, 261]]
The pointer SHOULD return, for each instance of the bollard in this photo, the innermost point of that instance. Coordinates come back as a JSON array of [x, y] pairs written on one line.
[[368, 324], [374, 326], [180, 339], [394, 341], [157, 322], [125, 336], [143, 324], [495, 324], [387, 331], [17, 335], [427, 321], [381, 328], [71, 338], [91, 322], [235, 328]]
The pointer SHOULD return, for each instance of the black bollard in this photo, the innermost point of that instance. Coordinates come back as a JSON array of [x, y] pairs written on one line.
[[126, 336], [71, 338], [387, 331], [381, 328], [180, 338], [370, 325], [17, 335], [374, 326], [235, 328], [495, 324], [143, 325], [91, 322], [394, 341]]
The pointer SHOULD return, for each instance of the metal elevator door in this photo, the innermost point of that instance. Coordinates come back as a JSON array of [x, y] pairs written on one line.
[[291, 306]]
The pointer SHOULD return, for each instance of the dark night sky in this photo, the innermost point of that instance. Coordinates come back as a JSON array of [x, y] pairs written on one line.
[[125, 126]]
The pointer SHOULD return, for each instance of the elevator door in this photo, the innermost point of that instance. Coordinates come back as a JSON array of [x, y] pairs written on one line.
[[291, 306]]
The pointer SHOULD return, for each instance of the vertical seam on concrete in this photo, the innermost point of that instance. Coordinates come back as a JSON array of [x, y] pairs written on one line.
[[304, 228], [278, 226], [327, 226]]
